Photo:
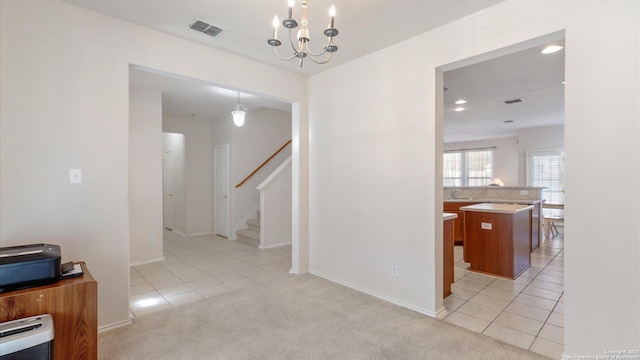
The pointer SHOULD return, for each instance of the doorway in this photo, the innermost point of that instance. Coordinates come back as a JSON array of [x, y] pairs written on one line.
[[511, 100], [221, 192], [173, 146]]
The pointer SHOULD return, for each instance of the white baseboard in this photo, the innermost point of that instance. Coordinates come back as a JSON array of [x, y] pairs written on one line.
[[200, 234], [376, 294], [180, 233], [274, 245], [114, 326], [147, 261], [441, 313]]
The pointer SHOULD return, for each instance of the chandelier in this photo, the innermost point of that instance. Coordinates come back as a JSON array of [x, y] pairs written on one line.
[[301, 46]]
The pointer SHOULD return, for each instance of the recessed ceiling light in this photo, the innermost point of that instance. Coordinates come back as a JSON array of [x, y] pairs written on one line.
[[551, 49], [562, 82], [459, 108], [460, 102]]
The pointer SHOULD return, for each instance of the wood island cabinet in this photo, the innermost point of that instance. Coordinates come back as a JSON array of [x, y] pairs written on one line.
[[458, 223], [73, 306], [498, 238]]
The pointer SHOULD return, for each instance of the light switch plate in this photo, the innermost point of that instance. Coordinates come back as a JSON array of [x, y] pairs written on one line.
[[75, 176], [524, 192], [486, 226]]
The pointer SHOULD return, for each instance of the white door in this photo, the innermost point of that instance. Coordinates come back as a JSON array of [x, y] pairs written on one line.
[[222, 190], [167, 190]]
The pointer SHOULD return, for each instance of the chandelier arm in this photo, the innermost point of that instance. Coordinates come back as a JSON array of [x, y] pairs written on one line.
[[329, 42], [295, 50], [275, 50], [321, 62]]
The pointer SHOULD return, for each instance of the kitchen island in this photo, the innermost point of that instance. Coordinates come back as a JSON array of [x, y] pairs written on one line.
[[497, 238]]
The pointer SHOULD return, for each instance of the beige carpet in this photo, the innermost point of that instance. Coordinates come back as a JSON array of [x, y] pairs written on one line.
[[300, 317]]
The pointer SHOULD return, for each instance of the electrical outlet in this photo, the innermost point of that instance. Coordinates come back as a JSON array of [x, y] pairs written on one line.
[[394, 270], [524, 192], [152, 239], [486, 226], [75, 176]]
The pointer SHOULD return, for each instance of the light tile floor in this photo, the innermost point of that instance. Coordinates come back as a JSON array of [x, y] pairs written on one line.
[[527, 312], [199, 267]]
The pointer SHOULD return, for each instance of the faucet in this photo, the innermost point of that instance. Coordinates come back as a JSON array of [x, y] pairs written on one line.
[[454, 193]]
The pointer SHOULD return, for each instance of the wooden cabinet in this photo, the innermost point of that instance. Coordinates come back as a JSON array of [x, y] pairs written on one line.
[[498, 243], [458, 223], [536, 221], [73, 305], [447, 257]]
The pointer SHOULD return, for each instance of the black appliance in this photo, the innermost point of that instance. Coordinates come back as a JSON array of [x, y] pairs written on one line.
[[27, 266]]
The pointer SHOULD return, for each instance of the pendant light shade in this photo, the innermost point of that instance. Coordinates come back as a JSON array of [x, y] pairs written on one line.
[[238, 113]]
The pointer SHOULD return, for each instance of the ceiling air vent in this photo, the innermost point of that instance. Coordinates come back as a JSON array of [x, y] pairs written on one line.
[[204, 27], [513, 101]]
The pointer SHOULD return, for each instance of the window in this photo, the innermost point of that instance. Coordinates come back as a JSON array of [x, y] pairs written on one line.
[[469, 167], [546, 169]]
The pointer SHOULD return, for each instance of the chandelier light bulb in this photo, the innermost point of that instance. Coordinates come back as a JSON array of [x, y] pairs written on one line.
[[276, 23], [290, 9], [332, 13]]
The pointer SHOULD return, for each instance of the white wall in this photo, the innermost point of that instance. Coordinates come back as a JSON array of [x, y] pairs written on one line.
[[145, 168], [65, 104], [375, 180], [264, 132], [275, 207], [198, 171], [505, 156], [544, 138]]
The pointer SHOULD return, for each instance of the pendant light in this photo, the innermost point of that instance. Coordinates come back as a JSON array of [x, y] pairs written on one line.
[[238, 113]]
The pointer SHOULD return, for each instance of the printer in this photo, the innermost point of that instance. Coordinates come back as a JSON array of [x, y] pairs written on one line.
[[27, 266]]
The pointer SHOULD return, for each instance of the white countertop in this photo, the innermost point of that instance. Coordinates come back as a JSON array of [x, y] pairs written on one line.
[[497, 208], [497, 201], [449, 216]]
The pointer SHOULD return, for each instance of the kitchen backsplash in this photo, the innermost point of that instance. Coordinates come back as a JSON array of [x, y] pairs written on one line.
[[492, 192]]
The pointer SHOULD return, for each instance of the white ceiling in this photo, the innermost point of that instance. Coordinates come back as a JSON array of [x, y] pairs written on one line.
[[529, 75], [187, 98], [365, 26]]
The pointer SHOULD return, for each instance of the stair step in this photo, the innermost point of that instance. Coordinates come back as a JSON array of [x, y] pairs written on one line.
[[252, 234], [250, 237], [254, 224]]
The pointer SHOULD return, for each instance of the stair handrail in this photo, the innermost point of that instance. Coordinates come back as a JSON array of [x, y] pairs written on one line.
[[263, 164]]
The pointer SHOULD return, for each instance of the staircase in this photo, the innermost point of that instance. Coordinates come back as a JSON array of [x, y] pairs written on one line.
[[250, 235]]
